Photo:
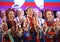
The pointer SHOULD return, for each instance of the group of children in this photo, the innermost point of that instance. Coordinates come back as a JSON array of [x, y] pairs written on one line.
[[29, 26]]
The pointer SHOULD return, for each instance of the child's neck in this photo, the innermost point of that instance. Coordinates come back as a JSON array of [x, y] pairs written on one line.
[[49, 19], [10, 19], [30, 16]]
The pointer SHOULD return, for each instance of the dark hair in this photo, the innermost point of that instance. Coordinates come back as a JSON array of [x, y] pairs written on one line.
[[8, 10], [28, 8], [45, 11]]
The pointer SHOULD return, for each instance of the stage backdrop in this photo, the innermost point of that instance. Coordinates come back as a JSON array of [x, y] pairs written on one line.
[[52, 4]]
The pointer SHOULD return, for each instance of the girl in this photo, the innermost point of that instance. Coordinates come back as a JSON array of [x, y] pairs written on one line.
[[30, 24], [49, 24], [11, 24]]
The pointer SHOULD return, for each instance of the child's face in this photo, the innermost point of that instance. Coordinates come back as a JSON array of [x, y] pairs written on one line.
[[58, 14], [49, 15], [11, 15], [20, 12], [58, 22], [3, 14], [40, 15], [36, 14], [30, 11]]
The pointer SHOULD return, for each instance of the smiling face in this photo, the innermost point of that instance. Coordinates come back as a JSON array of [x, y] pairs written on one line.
[[20, 12], [49, 15], [58, 22], [36, 13], [11, 15], [3, 15], [58, 14], [40, 15]]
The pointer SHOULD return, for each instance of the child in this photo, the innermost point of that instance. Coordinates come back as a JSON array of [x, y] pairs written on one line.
[[49, 24], [30, 24]]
